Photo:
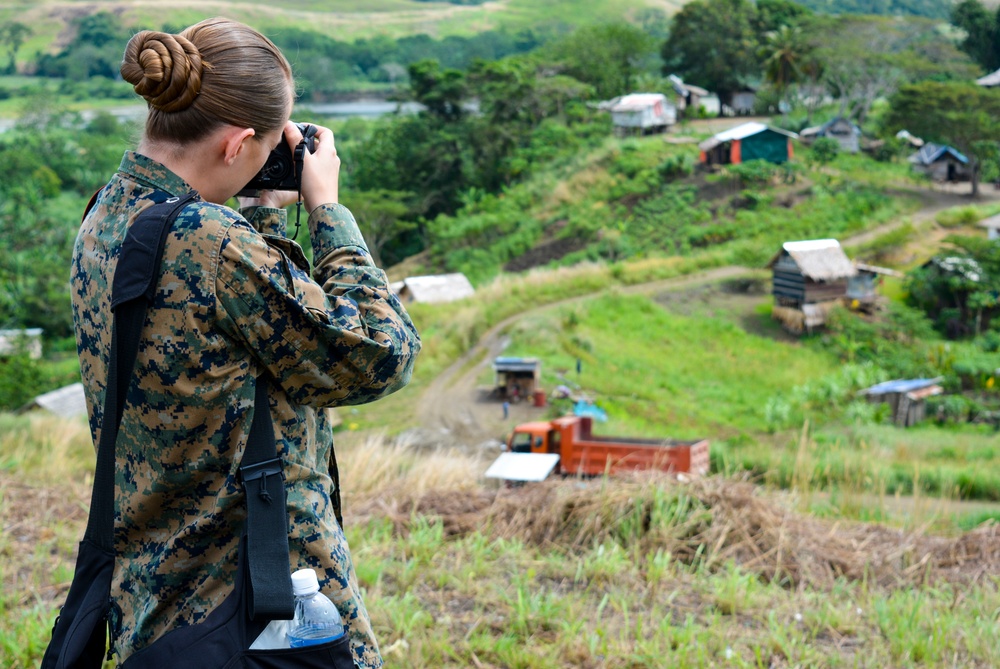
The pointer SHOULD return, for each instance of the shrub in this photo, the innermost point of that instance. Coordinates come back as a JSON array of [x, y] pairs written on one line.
[[20, 377], [825, 150]]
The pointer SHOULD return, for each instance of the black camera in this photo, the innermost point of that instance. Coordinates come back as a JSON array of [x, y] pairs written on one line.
[[283, 169]]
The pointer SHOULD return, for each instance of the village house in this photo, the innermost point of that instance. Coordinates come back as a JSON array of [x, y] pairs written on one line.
[[990, 80], [741, 103], [516, 379], [940, 163], [748, 141], [992, 225], [14, 342], [642, 114], [693, 101], [862, 293], [66, 402], [846, 133], [905, 397], [433, 289], [808, 279]]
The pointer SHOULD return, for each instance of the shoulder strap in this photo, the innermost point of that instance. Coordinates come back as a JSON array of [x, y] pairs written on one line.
[[145, 233], [133, 289]]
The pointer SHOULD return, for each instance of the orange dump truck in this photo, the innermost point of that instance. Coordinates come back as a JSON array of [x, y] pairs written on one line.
[[579, 451]]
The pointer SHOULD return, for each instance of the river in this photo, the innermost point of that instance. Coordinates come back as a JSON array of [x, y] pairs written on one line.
[[373, 108]]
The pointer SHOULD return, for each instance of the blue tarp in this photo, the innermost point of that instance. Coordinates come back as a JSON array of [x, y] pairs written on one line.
[[582, 408]]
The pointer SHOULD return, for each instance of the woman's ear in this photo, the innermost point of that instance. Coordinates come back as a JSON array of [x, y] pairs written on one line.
[[234, 141]]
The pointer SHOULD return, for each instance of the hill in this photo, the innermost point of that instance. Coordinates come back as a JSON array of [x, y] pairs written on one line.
[[340, 19]]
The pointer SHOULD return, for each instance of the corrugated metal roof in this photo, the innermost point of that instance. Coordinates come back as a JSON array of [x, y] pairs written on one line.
[[741, 131], [901, 386], [437, 288], [991, 222], [507, 364], [68, 401], [639, 101], [818, 259], [990, 79], [930, 152]]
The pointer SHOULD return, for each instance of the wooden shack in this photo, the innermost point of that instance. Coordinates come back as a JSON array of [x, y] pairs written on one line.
[[748, 141], [906, 398], [15, 342], [941, 163], [992, 225], [516, 378], [862, 288], [642, 113], [808, 279], [692, 101], [434, 288], [991, 80], [840, 129]]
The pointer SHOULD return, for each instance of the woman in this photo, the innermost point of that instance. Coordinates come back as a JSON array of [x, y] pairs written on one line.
[[235, 301]]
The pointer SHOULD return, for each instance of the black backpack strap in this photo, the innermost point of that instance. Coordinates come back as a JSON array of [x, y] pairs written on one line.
[[136, 276], [270, 577], [133, 290]]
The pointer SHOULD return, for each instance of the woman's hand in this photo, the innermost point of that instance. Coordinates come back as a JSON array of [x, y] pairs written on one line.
[[321, 172]]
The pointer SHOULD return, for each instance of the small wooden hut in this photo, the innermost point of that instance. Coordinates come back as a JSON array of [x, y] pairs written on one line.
[[862, 293], [642, 114], [808, 279], [941, 163], [906, 398], [846, 134], [517, 378], [992, 225], [434, 288]]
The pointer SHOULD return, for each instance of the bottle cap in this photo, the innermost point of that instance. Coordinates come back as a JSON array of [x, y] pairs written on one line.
[[304, 582]]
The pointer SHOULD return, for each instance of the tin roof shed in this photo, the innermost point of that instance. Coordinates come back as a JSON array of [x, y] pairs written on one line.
[[990, 80], [434, 288], [817, 259], [67, 402]]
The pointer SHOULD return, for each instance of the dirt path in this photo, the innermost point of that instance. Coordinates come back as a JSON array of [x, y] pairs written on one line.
[[456, 409]]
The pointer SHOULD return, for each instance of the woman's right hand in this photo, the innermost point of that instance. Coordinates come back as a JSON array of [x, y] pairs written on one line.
[[321, 169]]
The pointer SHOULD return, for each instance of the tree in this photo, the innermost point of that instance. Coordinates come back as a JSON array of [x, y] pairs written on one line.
[[982, 32], [963, 115], [785, 55], [713, 44], [380, 215], [13, 34], [774, 14], [609, 56], [864, 61], [441, 91]]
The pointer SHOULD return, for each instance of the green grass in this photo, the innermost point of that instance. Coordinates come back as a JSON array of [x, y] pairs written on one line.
[[628, 577], [605, 606], [659, 374]]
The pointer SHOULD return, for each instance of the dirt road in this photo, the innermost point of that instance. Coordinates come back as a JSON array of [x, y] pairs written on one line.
[[457, 410]]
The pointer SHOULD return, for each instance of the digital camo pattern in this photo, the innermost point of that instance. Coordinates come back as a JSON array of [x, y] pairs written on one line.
[[235, 299]]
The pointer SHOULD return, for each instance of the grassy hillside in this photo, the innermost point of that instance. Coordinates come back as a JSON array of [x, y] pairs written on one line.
[[622, 574], [341, 19]]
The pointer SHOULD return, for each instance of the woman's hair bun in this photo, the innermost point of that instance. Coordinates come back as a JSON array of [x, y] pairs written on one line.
[[163, 68]]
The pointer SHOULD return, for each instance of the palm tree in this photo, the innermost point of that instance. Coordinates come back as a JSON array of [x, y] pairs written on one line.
[[787, 58]]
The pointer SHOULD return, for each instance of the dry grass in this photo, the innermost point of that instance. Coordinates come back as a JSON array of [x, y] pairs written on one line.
[[710, 521]]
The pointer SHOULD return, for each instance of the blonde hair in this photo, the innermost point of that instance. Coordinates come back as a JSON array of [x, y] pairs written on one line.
[[216, 72]]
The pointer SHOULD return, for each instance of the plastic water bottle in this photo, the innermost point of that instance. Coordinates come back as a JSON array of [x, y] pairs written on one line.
[[316, 619]]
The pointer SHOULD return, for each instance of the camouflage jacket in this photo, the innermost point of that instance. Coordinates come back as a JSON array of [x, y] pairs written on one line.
[[235, 300]]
